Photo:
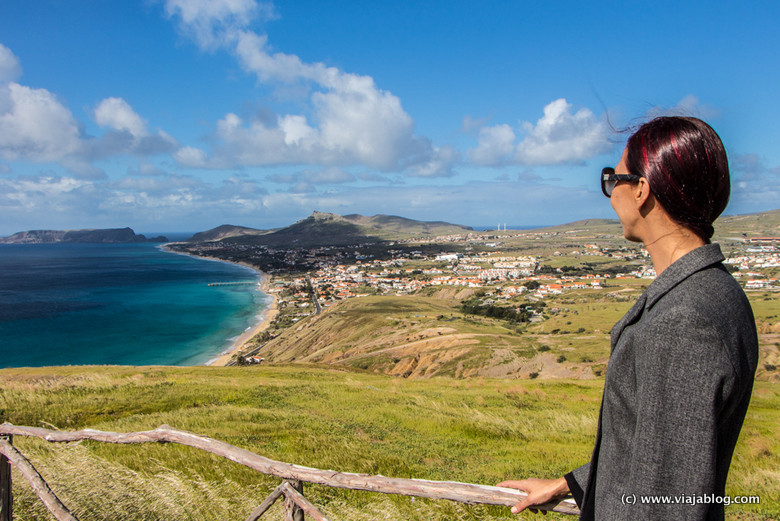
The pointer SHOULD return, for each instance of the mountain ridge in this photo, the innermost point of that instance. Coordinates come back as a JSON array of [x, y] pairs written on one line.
[[329, 229], [89, 235]]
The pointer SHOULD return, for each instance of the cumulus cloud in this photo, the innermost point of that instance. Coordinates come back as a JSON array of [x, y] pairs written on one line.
[[495, 145], [116, 113], [34, 125], [559, 136], [435, 162], [10, 69], [128, 132], [348, 121], [212, 23]]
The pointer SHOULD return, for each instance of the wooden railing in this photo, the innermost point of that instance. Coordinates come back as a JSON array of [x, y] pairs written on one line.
[[296, 505]]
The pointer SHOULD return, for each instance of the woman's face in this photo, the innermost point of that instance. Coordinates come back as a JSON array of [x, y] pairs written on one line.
[[624, 202]]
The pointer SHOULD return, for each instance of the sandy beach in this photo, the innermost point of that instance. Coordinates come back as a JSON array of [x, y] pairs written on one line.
[[268, 316]]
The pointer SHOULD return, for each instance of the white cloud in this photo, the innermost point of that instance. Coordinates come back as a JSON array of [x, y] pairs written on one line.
[[436, 162], [116, 113], [213, 23], [496, 145], [35, 126], [350, 120], [128, 132], [10, 69], [559, 136], [562, 137], [191, 156], [41, 194]]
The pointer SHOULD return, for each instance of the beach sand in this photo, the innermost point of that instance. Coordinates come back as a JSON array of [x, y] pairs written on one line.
[[269, 314]]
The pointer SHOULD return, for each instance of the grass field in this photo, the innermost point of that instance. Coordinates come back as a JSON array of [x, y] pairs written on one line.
[[475, 430]]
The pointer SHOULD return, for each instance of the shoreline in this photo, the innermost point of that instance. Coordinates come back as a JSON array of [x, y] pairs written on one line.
[[268, 314]]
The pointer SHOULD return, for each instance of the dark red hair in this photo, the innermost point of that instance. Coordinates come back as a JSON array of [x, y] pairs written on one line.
[[685, 164]]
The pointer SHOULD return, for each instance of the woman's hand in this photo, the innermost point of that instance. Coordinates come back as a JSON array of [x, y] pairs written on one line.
[[539, 491]]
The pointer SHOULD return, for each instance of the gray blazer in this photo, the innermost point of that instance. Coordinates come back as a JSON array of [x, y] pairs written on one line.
[[676, 391]]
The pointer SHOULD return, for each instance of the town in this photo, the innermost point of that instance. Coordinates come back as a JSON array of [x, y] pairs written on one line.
[[306, 280]]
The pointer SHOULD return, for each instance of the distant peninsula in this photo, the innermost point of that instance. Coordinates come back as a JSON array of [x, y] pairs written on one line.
[[100, 236]]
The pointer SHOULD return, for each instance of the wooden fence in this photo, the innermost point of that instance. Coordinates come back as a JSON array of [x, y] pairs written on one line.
[[296, 505]]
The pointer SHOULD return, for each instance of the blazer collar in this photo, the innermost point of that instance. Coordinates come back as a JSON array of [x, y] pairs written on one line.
[[681, 269], [684, 267]]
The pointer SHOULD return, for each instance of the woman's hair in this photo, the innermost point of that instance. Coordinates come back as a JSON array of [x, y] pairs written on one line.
[[685, 164]]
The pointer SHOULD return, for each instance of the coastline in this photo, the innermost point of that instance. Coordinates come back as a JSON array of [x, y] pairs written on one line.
[[268, 314]]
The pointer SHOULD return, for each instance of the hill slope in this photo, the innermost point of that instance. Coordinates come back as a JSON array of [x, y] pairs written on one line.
[[328, 229], [419, 337]]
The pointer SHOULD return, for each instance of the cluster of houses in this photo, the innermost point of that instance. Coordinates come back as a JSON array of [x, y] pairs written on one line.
[[510, 274], [754, 259], [334, 283]]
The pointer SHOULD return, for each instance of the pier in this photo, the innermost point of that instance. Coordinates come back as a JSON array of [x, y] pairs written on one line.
[[232, 283]]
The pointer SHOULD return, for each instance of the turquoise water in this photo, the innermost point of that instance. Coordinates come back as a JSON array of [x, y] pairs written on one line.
[[126, 304]]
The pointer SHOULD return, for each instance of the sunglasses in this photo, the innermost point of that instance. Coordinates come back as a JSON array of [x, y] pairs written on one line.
[[609, 179]]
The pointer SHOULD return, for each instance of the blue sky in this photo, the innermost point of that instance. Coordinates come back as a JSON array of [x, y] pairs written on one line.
[[181, 115]]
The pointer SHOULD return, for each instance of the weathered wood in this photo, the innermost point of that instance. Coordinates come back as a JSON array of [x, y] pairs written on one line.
[[39, 486], [6, 489], [295, 495], [451, 490], [266, 504], [292, 511]]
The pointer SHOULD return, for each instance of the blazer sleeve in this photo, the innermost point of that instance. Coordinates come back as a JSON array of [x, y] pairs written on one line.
[[576, 480], [683, 375]]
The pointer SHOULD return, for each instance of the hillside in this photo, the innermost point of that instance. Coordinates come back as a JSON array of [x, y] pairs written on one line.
[[225, 231], [421, 337], [476, 431], [328, 229], [752, 225]]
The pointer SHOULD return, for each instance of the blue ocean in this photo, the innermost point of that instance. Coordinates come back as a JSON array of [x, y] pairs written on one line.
[[124, 304]]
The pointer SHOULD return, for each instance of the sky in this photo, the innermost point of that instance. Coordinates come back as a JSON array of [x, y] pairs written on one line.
[[182, 115]]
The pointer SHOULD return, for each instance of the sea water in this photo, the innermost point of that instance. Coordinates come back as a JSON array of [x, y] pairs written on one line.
[[125, 304]]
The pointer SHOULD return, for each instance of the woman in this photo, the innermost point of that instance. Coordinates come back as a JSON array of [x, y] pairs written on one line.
[[683, 358]]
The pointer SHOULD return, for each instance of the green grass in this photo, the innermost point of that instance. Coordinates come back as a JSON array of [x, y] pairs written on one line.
[[478, 430]]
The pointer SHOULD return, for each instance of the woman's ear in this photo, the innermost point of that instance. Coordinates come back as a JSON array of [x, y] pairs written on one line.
[[642, 193]]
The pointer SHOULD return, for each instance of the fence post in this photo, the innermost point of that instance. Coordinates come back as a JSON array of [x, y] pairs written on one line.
[[292, 512], [6, 494]]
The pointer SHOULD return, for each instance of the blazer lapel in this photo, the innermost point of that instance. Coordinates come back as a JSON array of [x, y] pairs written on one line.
[[629, 318]]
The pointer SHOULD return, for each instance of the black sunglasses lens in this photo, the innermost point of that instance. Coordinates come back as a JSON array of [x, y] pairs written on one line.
[[607, 185]]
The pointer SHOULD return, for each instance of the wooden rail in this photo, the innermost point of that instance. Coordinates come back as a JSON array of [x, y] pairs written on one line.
[[291, 489]]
